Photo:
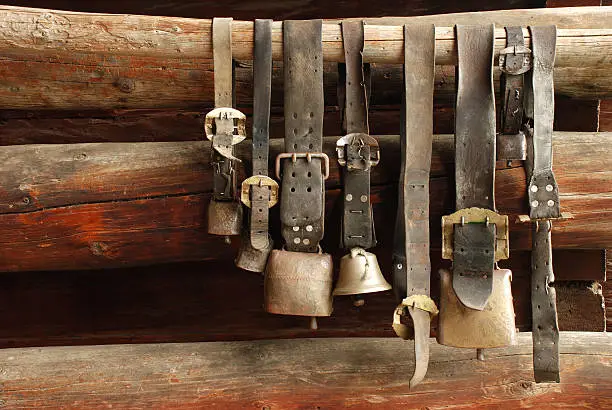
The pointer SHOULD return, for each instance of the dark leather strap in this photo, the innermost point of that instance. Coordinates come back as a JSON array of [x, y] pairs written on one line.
[[358, 149], [419, 67], [544, 206], [474, 244], [303, 188], [545, 328], [262, 80], [514, 62]]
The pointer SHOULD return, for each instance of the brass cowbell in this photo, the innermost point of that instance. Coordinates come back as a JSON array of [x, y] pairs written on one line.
[[360, 273]]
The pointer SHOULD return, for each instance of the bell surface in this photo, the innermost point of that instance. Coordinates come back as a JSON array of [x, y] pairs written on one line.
[[298, 283], [224, 218], [250, 258], [461, 326], [360, 273]]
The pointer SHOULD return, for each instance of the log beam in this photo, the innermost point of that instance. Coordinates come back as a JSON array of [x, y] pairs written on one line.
[[118, 204], [70, 60], [326, 373]]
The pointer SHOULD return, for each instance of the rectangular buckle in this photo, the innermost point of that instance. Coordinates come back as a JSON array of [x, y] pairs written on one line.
[[476, 215], [259, 180], [308, 155], [520, 60], [357, 140]]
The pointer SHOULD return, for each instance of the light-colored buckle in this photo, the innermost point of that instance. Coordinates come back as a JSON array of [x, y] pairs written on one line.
[[225, 113], [515, 50], [308, 155], [358, 139], [259, 180], [476, 215]]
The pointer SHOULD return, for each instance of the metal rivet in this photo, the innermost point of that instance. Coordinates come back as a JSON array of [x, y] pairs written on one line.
[[296, 240], [349, 197], [549, 188], [306, 241], [399, 266], [309, 228], [296, 228], [534, 188], [550, 202], [364, 198], [534, 204]]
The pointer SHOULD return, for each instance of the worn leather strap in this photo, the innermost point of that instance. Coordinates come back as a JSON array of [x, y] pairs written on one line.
[[262, 80], [474, 244], [544, 205], [512, 81], [419, 67], [358, 148], [303, 188]]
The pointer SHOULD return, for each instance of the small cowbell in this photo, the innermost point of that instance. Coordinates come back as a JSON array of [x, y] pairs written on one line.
[[224, 217], [251, 258], [360, 273]]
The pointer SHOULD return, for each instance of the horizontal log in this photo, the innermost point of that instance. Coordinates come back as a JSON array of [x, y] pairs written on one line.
[[109, 205], [326, 373], [64, 60]]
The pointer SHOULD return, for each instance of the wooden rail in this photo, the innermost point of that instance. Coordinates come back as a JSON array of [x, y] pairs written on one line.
[[292, 374]]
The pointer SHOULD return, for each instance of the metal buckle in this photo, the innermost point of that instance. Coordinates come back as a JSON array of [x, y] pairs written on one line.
[[358, 139], [308, 155], [225, 113], [259, 180], [515, 69], [476, 215]]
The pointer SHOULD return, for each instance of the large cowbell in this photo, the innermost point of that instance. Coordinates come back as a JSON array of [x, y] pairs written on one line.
[[224, 217], [360, 273], [461, 326], [298, 283]]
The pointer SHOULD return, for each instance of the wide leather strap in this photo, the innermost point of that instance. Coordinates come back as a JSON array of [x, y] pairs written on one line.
[[357, 151], [475, 147], [419, 67], [303, 187], [544, 206]]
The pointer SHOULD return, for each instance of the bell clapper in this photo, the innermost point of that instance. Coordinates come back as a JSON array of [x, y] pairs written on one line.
[[313, 323], [358, 300], [480, 355]]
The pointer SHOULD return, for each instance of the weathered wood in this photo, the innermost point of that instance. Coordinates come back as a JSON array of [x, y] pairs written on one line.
[[108, 205], [324, 373], [53, 59]]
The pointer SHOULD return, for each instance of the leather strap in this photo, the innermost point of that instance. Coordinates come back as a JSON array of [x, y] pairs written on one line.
[[303, 187], [357, 150], [417, 136], [262, 80], [474, 243], [544, 206], [514, 62]]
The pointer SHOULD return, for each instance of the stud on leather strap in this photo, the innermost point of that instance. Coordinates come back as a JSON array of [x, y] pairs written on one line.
[[413, 247], [303, 186], [225, 127], [543, 195]]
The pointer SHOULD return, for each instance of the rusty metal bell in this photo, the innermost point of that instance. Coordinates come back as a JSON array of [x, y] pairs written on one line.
[[224, 217], [360, 273], [461, 326], [250, 258], [298, 283]]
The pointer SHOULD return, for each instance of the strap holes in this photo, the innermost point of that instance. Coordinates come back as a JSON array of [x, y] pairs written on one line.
[[316, 71], [295, 115], [309, 189], [260, 210], [294, 146], [259, 157], [310, 146], [311, 114], [293, 190], [295, 132], [486, 251], [462, 250], [260, 197], [309, 174], [539, 327], [293, 174], [538, 307]]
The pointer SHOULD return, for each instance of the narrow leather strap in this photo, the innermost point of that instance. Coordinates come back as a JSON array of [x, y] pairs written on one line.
[[543, 190], [357, 223], [474, 244], [512, 83], [303, 188], [262, 80], [545, 328], [222, 60], [419, 67]]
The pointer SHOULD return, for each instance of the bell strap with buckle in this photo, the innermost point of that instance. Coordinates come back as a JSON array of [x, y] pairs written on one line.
[[543, 194], [224, 126], [412, 275], [303, 180], [472, 236], [260, 192], [357, 151]]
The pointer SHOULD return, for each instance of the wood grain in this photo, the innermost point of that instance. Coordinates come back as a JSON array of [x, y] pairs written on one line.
[[294, 374], [69, 60]]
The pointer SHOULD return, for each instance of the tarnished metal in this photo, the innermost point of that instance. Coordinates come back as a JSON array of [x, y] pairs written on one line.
[[308, 155], [360, 273], [511, 147], [224, 217], [259, 180], [515, 59], [358, 161], [250, 258], [298, 283], [225, 120], [460, 326]]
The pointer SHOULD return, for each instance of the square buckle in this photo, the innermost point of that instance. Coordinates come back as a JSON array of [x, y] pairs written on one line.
[[308, 155], [259, 180], [358, 140]]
